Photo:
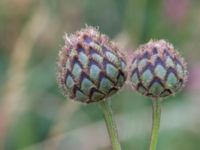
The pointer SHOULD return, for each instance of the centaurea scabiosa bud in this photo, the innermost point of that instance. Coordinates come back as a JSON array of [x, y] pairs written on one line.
[[91, 67], [157, 69]]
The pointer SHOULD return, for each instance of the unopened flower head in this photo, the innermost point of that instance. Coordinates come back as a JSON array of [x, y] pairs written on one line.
[[157, 69], [90, 66]]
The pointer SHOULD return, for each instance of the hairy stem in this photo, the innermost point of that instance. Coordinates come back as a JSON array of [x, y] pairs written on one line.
[[156, 105], [111, 125]]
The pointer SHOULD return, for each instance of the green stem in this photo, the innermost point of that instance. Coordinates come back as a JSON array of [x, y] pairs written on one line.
[[156, 105], [146, 22], [111, 125]]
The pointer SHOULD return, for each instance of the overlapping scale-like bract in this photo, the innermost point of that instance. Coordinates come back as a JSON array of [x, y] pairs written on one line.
[[91, 67], [157, 70]]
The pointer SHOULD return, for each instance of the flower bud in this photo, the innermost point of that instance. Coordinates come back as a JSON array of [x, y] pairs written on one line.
[[157, 70], [90, 66]]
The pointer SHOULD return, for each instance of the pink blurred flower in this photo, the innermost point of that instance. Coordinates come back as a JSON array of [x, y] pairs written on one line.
[[176, 11], [194, 78]]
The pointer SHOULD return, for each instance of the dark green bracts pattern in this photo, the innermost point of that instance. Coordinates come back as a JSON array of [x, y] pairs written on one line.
[[90, 66], [157, 70]]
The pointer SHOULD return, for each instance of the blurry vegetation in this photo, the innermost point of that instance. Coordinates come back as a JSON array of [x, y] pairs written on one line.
[[33, 112]]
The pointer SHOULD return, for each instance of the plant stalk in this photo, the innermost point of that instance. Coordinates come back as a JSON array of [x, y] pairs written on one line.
[[111, 125], [156, 106]]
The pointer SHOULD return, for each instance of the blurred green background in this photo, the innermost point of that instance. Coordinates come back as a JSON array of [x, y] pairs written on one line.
[[33, 113]]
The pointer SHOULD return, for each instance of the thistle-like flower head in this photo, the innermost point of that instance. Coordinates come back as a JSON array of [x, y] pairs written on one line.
[[90, 66], [157, 69]]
